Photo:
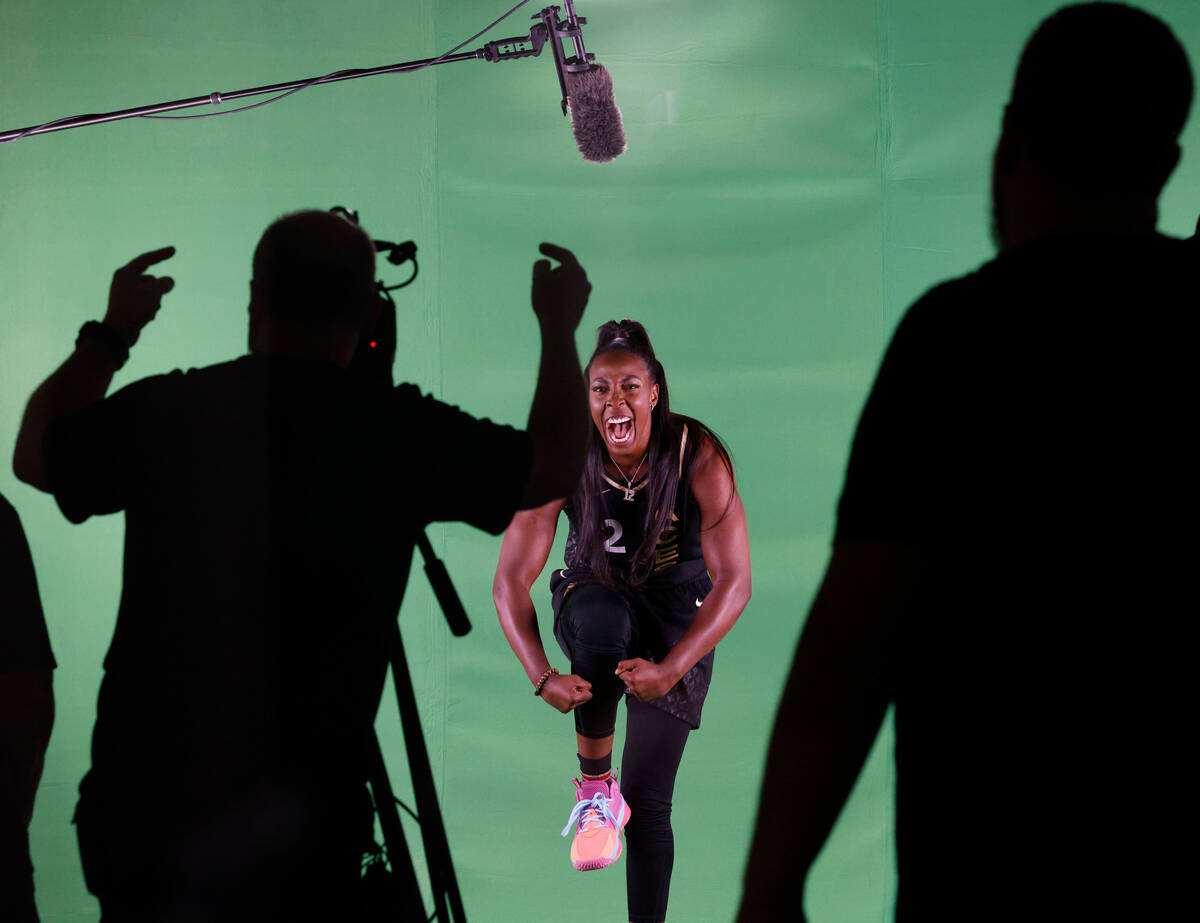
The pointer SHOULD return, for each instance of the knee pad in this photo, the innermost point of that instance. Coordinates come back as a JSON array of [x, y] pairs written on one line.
[[600, 619]]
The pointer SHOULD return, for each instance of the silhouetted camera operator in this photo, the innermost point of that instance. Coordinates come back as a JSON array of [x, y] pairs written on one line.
[[271, 505], [26, 713]]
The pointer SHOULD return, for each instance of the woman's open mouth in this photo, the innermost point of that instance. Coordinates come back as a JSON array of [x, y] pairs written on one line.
[[619, 430]]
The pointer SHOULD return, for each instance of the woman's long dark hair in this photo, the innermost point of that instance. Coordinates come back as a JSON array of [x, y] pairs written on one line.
[[663, 471]]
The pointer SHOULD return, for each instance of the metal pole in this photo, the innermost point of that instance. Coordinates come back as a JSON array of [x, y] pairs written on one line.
[[78, 121]]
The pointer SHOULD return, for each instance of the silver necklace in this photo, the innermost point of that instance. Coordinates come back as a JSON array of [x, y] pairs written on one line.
[[629, 495]]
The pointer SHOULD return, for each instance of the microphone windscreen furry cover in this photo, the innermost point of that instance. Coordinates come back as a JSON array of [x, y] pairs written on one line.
[[595, 118]]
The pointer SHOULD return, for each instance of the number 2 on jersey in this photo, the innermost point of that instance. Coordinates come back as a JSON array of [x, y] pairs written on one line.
[[610, 543]]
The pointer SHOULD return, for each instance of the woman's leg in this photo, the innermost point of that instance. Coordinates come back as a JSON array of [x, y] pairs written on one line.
[[654, 744], [596, 629]]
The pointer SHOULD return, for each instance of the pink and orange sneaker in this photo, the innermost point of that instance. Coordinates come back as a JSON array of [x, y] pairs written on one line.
[[601, 815]]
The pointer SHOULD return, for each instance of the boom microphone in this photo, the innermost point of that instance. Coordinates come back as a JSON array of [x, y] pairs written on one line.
[[595, 118], [587, 90]]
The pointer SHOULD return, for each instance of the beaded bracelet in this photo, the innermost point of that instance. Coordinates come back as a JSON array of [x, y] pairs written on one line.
[[542, 681]]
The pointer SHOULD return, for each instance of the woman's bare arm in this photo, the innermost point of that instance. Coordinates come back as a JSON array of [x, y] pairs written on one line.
[[523, 556], [726, 545]]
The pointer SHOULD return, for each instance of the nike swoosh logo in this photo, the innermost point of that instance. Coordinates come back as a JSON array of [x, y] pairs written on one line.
[[699, 602]]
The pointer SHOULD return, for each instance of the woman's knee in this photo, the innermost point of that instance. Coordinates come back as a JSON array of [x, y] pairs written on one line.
[[649, 822], [648, 800], [600, 620]]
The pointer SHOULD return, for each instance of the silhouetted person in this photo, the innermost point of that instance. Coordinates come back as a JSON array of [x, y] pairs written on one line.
[[271, 504], [26, 713], [1012, 562]]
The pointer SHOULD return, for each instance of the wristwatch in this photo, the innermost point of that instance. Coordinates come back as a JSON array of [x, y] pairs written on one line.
[[117, 348]]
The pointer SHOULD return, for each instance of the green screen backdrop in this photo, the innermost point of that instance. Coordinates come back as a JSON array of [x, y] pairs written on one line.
[[798, 172]]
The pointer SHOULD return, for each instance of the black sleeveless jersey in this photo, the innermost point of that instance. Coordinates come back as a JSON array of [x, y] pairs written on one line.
[[624, 510], [666, 602]]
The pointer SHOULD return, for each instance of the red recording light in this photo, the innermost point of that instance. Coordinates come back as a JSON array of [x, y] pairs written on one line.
[[372, 344]]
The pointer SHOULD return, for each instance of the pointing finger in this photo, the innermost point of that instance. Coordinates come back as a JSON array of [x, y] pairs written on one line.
[[562, 254], [139, 264]]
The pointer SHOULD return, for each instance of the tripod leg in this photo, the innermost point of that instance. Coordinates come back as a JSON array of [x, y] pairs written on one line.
[[408, 893], [433, 830]]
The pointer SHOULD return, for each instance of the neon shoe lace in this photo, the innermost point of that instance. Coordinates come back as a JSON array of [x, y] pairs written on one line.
[[594, 812]]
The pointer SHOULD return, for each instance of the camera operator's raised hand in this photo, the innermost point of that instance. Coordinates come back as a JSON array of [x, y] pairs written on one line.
[[135, 296], [100, 349], [558, 419], [559, 295]]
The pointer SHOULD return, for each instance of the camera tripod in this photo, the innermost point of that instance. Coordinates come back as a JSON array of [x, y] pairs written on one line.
[[401, 894]]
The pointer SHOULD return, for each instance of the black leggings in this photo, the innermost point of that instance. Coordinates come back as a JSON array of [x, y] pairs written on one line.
[[596, 630]]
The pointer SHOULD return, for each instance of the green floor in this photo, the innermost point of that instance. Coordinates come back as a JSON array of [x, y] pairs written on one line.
[[798, 171]]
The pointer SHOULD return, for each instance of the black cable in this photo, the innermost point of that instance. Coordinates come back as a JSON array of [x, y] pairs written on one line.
[[408, 281], [265, 102], [275, 99], [410, 811], [316, 80]]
